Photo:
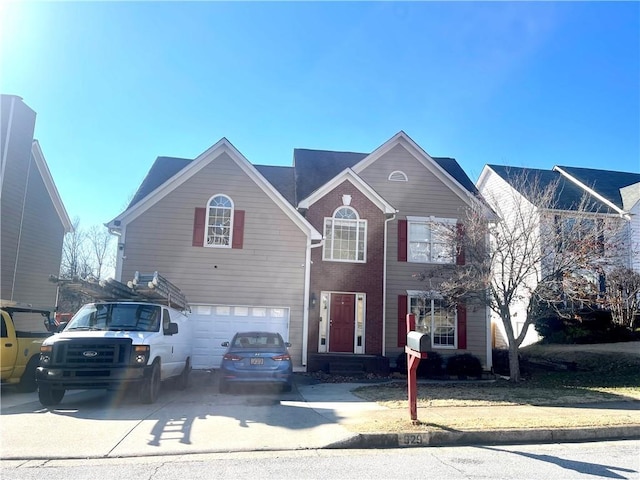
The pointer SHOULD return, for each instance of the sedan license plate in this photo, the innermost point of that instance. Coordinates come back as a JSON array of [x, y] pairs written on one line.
[[257, 361]]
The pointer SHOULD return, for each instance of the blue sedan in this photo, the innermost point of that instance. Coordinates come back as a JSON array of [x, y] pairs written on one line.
[[256, 358]]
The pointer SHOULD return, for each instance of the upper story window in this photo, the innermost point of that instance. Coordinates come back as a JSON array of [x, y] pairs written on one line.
[[219, 222], [430, 240], [434, 317], [345, 236], [579, 234], [398, 176]]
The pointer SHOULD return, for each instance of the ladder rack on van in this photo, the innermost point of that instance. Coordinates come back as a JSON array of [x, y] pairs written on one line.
[[143, 288], [156, 286]]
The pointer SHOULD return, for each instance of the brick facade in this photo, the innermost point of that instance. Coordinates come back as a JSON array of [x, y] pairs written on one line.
[[346, 277]]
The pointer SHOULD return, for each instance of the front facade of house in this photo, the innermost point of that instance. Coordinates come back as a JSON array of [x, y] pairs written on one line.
[[325, 251], [611, 195], [33, 220]]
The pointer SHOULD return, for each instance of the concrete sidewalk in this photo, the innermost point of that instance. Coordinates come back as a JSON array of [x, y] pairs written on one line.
[[91, 424]]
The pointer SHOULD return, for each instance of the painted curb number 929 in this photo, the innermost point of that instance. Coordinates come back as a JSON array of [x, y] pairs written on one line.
[[410, 439]]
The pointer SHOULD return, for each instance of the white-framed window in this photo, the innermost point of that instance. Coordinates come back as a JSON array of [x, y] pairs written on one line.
[[430, 240], [219, 224], [435, 317], [345, 236]]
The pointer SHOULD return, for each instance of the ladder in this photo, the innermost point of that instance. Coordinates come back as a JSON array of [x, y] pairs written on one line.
[[155, 286], [143, 288]]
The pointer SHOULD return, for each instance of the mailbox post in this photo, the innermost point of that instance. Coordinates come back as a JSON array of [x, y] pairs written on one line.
[[417, 344]]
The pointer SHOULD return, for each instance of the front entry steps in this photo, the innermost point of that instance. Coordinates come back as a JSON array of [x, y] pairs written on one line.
[[348, 364]]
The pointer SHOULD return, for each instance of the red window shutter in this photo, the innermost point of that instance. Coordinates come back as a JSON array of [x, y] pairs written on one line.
[[460, 246], [402, 320], [199, 218], [402, 240], [238, 229], [462, 326]]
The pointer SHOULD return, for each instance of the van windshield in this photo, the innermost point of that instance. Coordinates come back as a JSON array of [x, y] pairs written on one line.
[[117, 316]]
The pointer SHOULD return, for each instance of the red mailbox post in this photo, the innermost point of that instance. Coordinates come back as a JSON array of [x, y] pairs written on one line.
[[413, 360]]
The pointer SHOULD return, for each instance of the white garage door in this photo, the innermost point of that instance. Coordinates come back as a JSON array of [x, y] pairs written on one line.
[[214, 324]]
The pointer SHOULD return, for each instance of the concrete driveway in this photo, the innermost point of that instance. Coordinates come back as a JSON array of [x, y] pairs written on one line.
[[199, 419]]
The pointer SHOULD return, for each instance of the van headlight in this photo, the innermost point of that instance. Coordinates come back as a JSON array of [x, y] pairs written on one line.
[[45, 354], [140, 355]]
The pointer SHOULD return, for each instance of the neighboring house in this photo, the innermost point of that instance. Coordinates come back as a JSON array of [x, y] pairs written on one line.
[[33, 220], [325, 251], [613, 196]]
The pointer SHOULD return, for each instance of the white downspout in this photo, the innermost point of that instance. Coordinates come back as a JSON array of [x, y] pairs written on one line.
[[384, 285], [307, 288], [120, 256], [488, 315]]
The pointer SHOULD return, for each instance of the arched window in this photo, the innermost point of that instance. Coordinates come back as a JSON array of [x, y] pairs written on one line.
[[345, 236], [219, 222]]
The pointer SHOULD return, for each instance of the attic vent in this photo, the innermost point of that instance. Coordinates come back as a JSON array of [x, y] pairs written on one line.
[[398, 176]]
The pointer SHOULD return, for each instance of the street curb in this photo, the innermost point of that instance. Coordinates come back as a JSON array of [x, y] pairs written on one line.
[[404, 440], [488, 437]]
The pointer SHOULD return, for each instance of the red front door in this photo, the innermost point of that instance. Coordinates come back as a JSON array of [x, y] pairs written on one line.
[[342, 322]]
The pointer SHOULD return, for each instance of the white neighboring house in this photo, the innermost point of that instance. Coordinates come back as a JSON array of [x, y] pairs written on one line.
[[616, 195], [631, 204]]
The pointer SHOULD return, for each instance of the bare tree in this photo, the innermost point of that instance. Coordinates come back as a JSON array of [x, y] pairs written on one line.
[[100, 245], [622, 296], [530, 259], [74, 253]]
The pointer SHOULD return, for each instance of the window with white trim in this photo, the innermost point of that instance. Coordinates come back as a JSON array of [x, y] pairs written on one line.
[[434, 317], [219, 222], [345, 236], [430, 240]]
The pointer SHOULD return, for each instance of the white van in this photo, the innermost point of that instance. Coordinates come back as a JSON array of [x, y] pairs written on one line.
[[109, 345]]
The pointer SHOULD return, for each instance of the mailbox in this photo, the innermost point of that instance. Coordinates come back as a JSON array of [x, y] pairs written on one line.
[[418, 341]]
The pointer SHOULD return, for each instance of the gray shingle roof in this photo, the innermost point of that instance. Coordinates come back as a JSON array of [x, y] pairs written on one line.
[[567, 196], [314, 168], [282, 178], [606, 183], [162, 170]]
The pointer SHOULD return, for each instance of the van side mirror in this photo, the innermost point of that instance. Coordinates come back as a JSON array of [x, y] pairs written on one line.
[[172, 329], [224, 344]]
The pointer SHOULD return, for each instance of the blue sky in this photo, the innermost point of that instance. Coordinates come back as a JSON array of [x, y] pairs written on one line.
[[117, 84]]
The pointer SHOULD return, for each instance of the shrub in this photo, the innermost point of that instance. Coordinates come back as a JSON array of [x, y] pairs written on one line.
[[464, 365], [500, 361], [589, 327], [429, 367]]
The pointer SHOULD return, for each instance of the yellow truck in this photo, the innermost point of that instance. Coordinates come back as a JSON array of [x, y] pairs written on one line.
[[20, 350]]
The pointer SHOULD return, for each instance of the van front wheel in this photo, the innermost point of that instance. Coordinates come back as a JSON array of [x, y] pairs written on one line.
[[49, 396], [151, 385]]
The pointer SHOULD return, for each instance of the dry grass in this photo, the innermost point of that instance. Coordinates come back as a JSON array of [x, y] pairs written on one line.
[[539, 401]]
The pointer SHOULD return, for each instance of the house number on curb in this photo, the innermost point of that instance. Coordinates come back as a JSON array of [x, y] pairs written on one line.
[[408, 440]]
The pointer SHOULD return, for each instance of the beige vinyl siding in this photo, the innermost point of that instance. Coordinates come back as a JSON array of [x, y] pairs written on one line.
[[31, 230], [424, 194], [14, 183], [268, 270], [40, 245]]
